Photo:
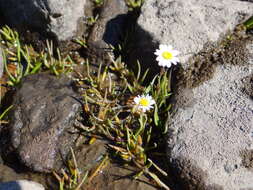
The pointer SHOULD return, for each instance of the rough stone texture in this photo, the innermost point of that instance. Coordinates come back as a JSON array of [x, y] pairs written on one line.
[[210, 140], [60, 18], [45, 108], [21, 185], [108, 30], [186, 25], [7, 174]]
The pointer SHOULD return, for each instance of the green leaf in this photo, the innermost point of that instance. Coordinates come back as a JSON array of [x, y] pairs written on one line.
[[5, 112], [249, 23], [156, 116], [36, 68]]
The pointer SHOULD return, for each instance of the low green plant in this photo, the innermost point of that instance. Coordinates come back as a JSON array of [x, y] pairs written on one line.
[[98, 2], [27, 61], [134, 4], [161, 92], [3, 115], [57, 65], [71, 178], [248, 24], [81, 42], [92, 20], [111, 111]]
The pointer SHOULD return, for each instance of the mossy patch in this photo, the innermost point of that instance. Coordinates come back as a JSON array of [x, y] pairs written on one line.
[[247, 159], [230, 50], [248, 86]]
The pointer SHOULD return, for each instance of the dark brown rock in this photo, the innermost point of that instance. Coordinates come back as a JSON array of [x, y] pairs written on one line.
[[44, 110], [109, 29]]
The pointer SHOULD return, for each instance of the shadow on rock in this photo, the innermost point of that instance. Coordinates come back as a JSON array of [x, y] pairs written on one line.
[[142, 49]]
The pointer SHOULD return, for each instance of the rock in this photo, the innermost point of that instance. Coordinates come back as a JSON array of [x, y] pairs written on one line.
[[210, 138], [110, 26], [89, 156], [108, 30], [21, 185], [60, 18], [7, 174], [44, 110], [186, 25]]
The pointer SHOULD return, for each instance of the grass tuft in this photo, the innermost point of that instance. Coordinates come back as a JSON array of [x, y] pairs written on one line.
[[26, 61]]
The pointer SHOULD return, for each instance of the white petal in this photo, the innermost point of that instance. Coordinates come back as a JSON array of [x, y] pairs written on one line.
[[176, 60], [158, 52], [159, 58], [162, 46], [149, 97], [137, 100], [160, 63], [168, 47], [152, 102], [168, 65], [175, 52]]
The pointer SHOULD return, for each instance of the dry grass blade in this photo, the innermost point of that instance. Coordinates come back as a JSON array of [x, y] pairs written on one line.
[[103, 164]]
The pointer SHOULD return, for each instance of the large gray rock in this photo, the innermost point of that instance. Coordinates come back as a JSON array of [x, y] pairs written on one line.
[[210, 143], [44, 110], [186, 25], [60, 18], [21, 185]]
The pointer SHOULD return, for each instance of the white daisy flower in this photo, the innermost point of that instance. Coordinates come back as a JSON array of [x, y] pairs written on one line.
[[166, 56], [144, 103]]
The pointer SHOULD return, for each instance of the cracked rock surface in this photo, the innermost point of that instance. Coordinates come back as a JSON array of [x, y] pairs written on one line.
[[45, 108], [186, 25], [210, 140]]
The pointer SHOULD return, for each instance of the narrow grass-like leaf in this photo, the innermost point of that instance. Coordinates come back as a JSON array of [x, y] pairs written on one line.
[[138, 70], [249, 23], [5, 112], [36, 68], [7, 70], [156, 116]]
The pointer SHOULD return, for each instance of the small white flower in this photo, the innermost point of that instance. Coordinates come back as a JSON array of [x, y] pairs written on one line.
[[144, 103], [166, 56]]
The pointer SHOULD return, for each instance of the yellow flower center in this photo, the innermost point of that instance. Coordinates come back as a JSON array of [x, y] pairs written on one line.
[[144, 102], [167, 55]]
